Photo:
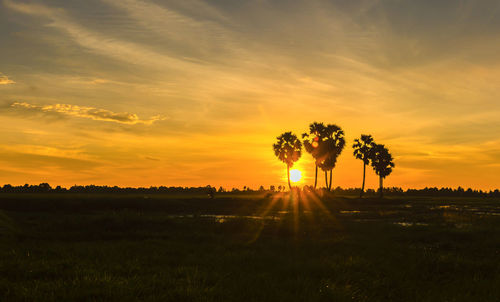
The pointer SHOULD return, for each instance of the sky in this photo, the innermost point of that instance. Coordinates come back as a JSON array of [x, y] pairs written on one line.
[[194, 93]]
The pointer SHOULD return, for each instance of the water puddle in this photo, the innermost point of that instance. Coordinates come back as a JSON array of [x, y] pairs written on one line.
[[490, 211], [446, 207], [367, 220], [180, 216], [409, 224], [350, 212], [486, 213], [225, 218]]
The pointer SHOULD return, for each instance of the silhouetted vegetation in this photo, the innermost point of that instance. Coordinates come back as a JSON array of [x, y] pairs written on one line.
[[363, 150], [333, 145], [288, 149], [324, 143], [311, 141], [45, 188], [382, 163]]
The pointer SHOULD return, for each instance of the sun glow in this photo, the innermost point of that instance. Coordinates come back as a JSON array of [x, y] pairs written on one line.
[[295, 175]]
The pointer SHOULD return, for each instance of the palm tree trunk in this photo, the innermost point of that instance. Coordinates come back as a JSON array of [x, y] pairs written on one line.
[[288, 173], [381, 181], [330, 185], [316, 178], [363, 185], [326, 180]]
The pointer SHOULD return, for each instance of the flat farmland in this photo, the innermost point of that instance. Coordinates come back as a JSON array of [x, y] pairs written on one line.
[[248, 247]]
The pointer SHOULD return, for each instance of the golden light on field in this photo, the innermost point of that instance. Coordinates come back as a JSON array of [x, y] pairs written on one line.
[[295, 175]]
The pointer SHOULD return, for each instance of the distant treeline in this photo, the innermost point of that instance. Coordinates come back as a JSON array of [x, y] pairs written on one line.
[[430, 192], [394, 191]]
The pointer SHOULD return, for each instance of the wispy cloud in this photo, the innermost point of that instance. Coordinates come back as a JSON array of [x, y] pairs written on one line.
[[104, 45], [88, 112], [189, 34], [4, 80]]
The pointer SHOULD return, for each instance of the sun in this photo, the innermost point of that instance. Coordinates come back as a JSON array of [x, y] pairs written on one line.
[[295, 175]]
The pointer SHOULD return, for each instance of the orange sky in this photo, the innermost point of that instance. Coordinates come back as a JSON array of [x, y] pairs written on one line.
[[190, 93]]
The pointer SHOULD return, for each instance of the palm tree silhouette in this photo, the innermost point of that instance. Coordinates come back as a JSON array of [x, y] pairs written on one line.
[[312, 140], [362, 150], [288, 149], [382, 164], [330, 149]]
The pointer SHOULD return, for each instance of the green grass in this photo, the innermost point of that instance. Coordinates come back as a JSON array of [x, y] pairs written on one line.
[[171, 248]]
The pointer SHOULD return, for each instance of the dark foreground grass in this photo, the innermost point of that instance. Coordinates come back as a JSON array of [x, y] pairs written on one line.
[[163, 248]]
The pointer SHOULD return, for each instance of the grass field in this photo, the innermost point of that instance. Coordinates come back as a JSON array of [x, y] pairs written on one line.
[[251, 247]]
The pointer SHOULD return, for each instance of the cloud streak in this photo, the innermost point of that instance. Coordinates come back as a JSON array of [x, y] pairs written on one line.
[[4, 80], [109, 46], [88, 112]]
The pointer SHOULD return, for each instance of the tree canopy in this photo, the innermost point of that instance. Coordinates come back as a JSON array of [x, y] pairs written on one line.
[[382, 161], [288, 148]]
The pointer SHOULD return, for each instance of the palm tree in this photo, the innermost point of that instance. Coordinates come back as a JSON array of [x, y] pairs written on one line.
[[312, 140], [288, 149], [330, 149], [362, 150], [382, 164]]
